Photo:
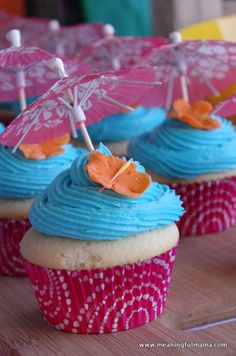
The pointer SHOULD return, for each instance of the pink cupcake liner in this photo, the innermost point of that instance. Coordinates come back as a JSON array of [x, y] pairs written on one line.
[[11, 234], [103, 300], [210, 206]]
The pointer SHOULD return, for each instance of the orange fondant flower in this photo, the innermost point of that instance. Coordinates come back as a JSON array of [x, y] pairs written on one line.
[[46, 149], [116, 174], [195, 115]]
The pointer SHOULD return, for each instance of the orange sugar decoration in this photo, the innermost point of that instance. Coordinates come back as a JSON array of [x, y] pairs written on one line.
[[195, 115], [46, 149], [116, 174]]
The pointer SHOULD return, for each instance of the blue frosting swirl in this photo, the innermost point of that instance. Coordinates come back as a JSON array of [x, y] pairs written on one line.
[[22, 178], [121, 126], [2, 127], [177, 150], [73, 206]]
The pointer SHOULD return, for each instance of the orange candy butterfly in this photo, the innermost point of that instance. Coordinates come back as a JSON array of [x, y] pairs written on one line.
[[116, 174], [46, 149], [195, 115]]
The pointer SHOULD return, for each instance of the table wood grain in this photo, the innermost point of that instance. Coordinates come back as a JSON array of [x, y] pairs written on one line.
[[202, 290], [203, 285]]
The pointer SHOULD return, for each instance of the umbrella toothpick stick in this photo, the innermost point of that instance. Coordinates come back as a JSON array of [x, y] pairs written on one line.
[[86, 137], [169, 95], [80, 116], [22, 99], [176, 38], [109, 35], [14, 37], [184, 87], [115, 62], [69, 95], [20, 80]]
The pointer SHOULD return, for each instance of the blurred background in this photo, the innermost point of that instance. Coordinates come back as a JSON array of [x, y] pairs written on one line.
[[129, 17]]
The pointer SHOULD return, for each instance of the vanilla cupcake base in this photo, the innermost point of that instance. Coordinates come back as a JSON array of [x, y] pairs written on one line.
[[117, 148], [84, 296], [15, 208], [201, 178], [72, 254]]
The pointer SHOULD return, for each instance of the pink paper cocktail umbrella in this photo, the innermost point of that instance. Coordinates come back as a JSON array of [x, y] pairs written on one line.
[[29, 28], [66, 41], [30, 71], [191, 69], [226, 108], [113, 52], [38, 78], [75, 101], [16, 59]]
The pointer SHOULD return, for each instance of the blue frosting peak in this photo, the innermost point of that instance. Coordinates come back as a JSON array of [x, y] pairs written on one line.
[[177, 150], [22, 178], [119, 127], [74, 206]]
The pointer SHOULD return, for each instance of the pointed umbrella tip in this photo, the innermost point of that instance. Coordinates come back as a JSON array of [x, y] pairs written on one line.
[[54, 25], [108, 30], [58, 65], [14, 37], [175, 37]]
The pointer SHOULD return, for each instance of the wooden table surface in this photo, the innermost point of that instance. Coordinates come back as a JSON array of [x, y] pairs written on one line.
[[203, 285], [203, 290]]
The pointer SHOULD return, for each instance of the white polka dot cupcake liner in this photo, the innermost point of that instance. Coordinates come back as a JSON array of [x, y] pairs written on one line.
[[11, 234], [103, 300], [210, 207]]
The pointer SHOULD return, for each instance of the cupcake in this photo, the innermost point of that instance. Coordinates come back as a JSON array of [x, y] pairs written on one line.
[[102, 245], [196, 155], [116, 130], [21, 179]]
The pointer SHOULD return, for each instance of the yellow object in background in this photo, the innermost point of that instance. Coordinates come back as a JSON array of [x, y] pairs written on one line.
[[226, 93], [223, 95], [221, 28]]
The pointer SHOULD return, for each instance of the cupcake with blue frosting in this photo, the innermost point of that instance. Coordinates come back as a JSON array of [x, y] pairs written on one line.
[[102, 245], [118, 129], [23, 176], [196, 154]]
